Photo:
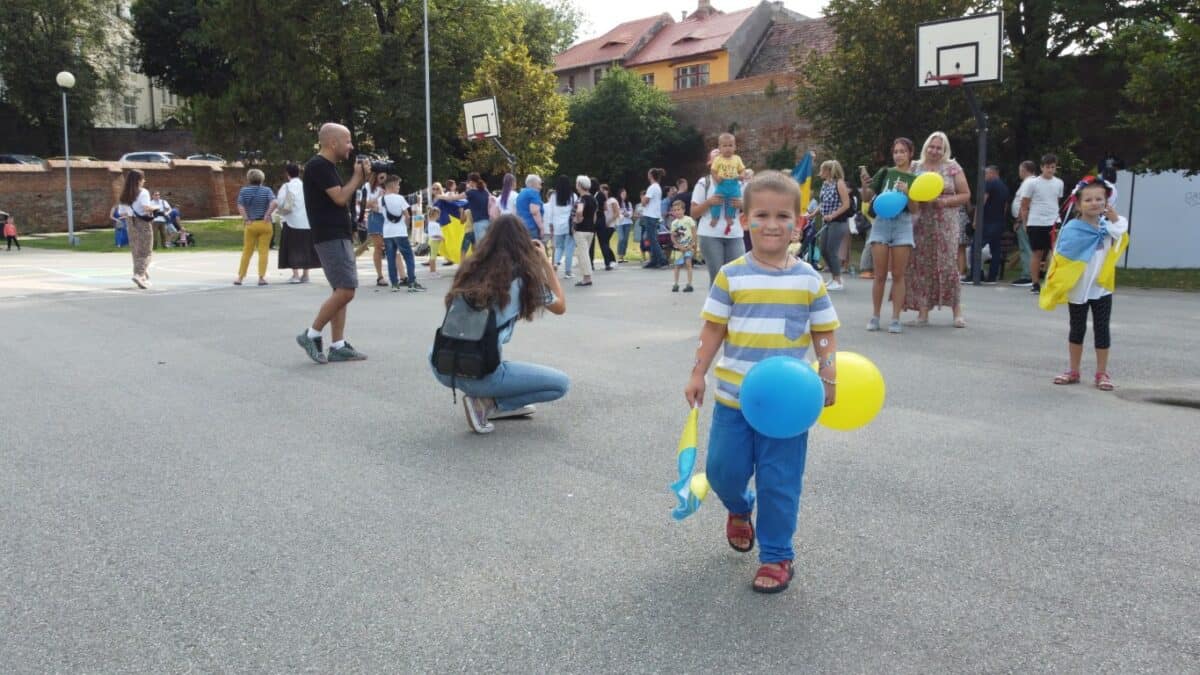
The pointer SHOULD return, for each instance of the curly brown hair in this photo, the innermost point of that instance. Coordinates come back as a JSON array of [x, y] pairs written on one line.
[[507, 252]]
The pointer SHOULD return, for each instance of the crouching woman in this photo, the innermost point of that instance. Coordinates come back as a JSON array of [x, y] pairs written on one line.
[[511, 275]]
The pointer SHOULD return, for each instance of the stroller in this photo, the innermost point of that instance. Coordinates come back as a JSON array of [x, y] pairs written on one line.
[[810, 252]]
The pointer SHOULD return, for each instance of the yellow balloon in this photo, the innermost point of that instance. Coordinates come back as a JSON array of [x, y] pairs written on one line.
[[926, 187], [699, 486], [860, 393]]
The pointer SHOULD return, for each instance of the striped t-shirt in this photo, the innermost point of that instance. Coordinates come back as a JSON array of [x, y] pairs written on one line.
[[767, 313], [256, 199]]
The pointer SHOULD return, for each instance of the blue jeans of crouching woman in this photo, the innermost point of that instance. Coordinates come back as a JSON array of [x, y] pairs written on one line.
[[735, 453], [514, 384]]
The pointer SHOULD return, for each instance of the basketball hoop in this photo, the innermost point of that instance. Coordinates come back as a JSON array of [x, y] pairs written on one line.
[[952, 80]]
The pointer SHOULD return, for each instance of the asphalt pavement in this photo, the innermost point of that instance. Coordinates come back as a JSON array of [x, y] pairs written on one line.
[[182, 490]]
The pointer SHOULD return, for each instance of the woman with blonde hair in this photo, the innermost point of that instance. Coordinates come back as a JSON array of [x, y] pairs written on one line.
[[255, 203], [933, 279], [836, 212]]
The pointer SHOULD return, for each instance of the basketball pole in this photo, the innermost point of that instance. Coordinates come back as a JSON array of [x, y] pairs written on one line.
[[981, 130]]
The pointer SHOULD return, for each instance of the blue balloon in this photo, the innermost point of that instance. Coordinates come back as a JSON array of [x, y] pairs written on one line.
[[782, 397], [890, 204]]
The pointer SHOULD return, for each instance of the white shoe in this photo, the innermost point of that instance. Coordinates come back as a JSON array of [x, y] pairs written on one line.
[[568, 275], [477, 410], [834, 286], [523, 411]]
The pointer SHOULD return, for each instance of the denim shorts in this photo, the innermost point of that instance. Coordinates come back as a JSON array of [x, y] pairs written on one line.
[[896, 231], [687, 255], [375, 224]]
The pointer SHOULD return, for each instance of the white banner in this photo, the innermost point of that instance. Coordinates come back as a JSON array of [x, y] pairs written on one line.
[[1164, 218]]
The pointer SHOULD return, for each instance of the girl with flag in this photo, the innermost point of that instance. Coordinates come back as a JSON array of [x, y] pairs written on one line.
[[1083, 274]]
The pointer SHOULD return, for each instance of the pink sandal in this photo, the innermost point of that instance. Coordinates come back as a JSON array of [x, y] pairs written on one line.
[[1103, 382], [780, 572], [1069, 377]]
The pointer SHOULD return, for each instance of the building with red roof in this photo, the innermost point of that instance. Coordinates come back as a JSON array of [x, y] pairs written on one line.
[[583, 64]]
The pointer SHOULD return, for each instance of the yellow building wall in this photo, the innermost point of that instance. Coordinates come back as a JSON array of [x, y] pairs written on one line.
[[664, 71]]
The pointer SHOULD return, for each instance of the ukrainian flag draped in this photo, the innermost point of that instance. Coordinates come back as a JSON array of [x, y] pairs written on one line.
[[803, 175], [1077, 243], [689, 490]]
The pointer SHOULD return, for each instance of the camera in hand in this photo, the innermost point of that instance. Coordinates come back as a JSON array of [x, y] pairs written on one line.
[[383, 166]]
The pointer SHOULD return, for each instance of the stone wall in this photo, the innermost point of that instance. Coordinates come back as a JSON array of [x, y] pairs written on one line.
[[36, 196], [758, 110]]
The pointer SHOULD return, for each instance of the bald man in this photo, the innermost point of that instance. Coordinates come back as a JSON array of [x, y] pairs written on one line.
[[325, 201]]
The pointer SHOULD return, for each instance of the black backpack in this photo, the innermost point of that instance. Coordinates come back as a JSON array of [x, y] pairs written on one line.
[[467, 344], [387, 213]]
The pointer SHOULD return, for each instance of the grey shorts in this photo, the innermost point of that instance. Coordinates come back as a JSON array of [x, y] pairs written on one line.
[[337, 260], [896, 231]]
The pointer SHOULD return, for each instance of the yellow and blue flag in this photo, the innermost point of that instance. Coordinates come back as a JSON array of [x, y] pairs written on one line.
[[1077, 243], [689, 490], [803, 175]]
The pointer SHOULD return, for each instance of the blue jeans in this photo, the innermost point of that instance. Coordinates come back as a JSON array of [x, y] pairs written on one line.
[[479, 227], [727, 189], [735, 453], [649, 234], [623, 239], [564, 245], [390, 246], [468, 241], [514, 384]]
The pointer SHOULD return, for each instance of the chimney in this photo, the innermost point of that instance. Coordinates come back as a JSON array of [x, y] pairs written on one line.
[[704, 9], [683, 15]]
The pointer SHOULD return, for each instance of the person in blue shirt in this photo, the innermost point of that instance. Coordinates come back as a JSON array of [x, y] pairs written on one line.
[[529, 206], [513, 276]]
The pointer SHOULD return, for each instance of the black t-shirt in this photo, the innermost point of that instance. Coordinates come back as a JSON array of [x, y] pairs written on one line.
[[477, 201], [686, 198], [589, 214], [328, 220], [997, 196]]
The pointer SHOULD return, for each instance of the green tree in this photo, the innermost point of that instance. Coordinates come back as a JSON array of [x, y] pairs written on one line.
[[620, 129], [1163, 57], [533, 115], [176, 51], [547, 28], [43, 37]]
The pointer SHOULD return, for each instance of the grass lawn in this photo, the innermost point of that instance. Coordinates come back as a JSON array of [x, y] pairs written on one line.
[[221, 234]]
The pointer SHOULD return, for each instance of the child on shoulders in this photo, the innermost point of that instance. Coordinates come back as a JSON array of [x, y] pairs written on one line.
[[727, 170]]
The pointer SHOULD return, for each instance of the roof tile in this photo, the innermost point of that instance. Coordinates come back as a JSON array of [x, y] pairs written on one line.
[[615, 45]]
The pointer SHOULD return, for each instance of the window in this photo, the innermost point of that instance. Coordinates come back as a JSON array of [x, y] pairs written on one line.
[[648, 78], [597, 75], [688, 77], [166, 98], [129, 109]]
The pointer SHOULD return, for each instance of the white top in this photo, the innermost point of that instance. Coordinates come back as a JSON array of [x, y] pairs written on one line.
[[1022, 193], [654, 208], [706, 227], [611, 206], [1044, 195], [397, 205], [142, 206], [1086, 288], [376, 195], [559, 217], [511, 208], [298, 218]]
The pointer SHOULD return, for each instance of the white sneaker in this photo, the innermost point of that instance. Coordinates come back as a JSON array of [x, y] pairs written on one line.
[[834, 286], [523, 411], [477, 410], [568, 275]]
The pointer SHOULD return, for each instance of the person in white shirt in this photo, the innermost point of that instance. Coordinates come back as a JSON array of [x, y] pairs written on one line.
[[720, 238], [1039, 212], [560, 204], [135, 207], [395, 237], [296, 250], [651, 217], [1028, 173]]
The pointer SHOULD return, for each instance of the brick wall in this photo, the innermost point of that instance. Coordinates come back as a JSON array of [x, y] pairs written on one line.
[[762, 122], [36, 196]]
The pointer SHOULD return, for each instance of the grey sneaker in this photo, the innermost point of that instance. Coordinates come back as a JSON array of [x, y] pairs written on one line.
[[523, 411], [312, 346], [873, 324], [895, 327], [477, 410], [416, 288], [346, 352]]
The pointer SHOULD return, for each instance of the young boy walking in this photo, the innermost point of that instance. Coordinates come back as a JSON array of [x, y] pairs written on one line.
[[683, 239], [763, 304], [395, 237]]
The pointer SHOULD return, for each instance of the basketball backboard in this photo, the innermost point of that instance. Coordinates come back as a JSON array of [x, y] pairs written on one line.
[[969, 46], [481, 117]]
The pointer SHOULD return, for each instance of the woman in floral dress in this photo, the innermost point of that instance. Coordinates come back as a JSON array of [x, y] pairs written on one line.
[[933, 280]]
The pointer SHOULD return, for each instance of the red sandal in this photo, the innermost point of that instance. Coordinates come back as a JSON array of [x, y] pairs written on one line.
[[743, 529], [1103, 382], [780, 572], [1069, 377]]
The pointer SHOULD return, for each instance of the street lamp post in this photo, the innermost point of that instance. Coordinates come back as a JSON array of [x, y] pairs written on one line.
[[66, 81]]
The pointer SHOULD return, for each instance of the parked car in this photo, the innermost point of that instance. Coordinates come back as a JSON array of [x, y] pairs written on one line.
[[207, 157], [21, 159], [161, 157], [74, 158]]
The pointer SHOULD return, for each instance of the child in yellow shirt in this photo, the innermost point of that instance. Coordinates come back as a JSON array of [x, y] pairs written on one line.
[[727, 171]]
